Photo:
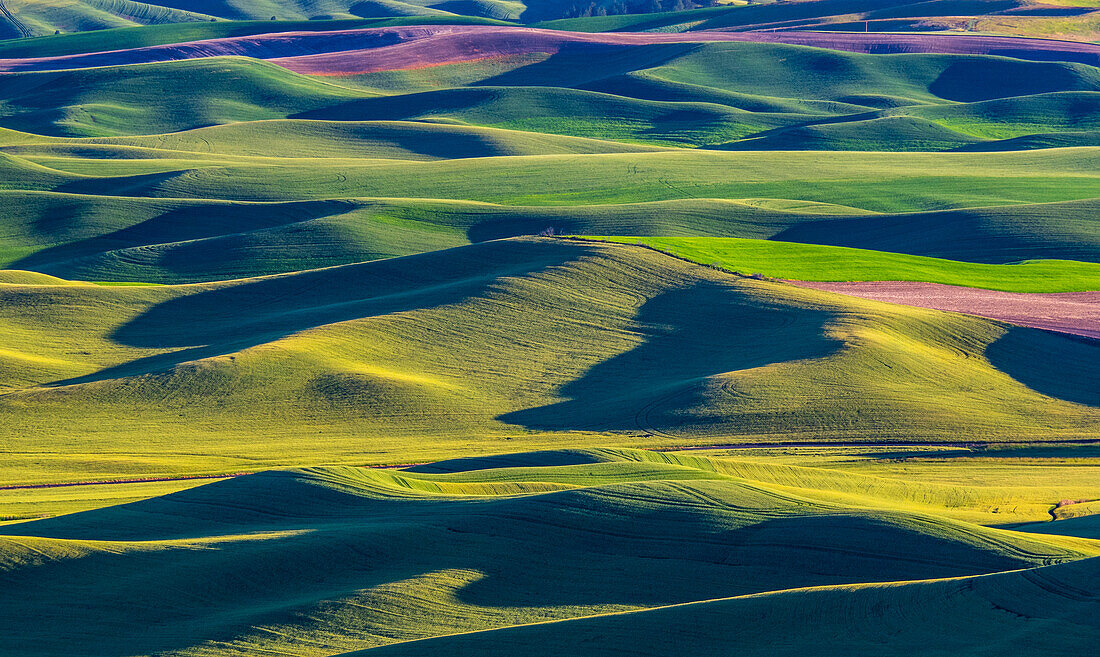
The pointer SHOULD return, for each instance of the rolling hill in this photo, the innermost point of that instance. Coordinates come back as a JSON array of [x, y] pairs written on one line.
[[759, 96], [469, 545], [1072, 19], [808, 262], [110, 238], [378, 357], [1036, 610], [530, 327]]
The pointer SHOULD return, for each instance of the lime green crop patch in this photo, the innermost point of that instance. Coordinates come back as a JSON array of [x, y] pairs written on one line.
[[813, 262]]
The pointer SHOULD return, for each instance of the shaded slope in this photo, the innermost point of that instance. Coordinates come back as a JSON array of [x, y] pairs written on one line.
[[125, 38], [566, 112], [374, 139], [342, 558], [141, 99], [1025, 17], [28, 18], [1066, 231], [177, 240], [1083, 526], [97, 238], [386, 48], [1044, 610], [295, 138], [43, 17], [625, 87], [1040, 120]]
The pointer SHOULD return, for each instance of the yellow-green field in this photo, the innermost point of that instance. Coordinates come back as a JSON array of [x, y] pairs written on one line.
[[303, 365]]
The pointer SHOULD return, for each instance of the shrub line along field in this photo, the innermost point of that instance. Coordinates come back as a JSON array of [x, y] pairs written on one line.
[[294, 359]]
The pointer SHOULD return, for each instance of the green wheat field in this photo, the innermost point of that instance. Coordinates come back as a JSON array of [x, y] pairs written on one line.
[[509, 328]]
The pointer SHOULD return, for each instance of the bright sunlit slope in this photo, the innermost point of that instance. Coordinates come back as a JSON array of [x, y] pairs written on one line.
[[501, 346]]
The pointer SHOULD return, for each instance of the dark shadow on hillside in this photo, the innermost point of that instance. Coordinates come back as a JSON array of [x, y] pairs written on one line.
[[136, 185], [1079, 526], [1057, 365], [993, 235], [1068, 139], [973, 80], [401, 108], [782, 12], [646, 544], [688, 334], [190, 222], [579, 64], [543, 459], [238, 316], [1056, 450]]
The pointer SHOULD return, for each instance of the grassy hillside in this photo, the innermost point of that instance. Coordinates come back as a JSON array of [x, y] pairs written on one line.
[[881, 182], [226, 287], [378, 359], [1073, 20], [43, 17], [1066, 231], [108, 238], [1038, 610], [474, 545], [300, 138], [123, 38], [28, 18], [133, 211], [830, 263], [717, 95], [142, 98], [1066, 19], [992, 485], [1064, 118], [203, 19]]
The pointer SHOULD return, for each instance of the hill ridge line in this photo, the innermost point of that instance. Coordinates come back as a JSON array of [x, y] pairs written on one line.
[[797, 589]]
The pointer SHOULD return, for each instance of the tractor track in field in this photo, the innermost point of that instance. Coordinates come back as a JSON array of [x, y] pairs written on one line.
[[675, 448], [15, 22]]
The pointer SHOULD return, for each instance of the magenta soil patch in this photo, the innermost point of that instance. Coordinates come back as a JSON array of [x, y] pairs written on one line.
[[1077, 313], [389, 48]]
